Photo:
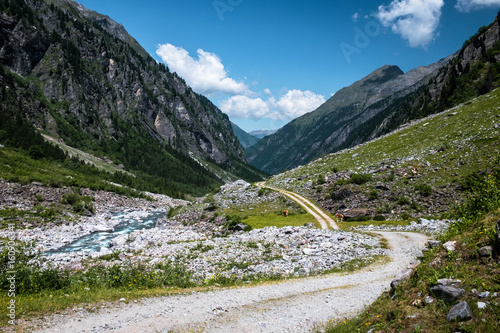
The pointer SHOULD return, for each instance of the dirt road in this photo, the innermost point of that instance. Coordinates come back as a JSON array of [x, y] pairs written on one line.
[[324, 220]]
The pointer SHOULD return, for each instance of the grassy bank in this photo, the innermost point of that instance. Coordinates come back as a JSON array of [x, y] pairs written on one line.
[[405, 309]]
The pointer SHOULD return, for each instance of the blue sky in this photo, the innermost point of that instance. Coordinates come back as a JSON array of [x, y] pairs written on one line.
[[265, 63]]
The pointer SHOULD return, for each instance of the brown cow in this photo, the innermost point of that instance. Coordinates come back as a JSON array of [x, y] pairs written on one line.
[[285, 213], [340, 217]]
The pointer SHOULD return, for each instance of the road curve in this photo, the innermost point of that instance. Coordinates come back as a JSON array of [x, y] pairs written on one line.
[[290, 306], [324, 220]]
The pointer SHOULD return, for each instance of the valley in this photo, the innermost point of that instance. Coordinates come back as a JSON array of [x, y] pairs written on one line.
[[130, 202]]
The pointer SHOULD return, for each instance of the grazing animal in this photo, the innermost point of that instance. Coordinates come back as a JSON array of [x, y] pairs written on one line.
[[340, 217], [285, 213]]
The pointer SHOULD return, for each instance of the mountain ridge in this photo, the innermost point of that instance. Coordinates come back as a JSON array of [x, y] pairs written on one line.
[[382, 101], [99, 91]]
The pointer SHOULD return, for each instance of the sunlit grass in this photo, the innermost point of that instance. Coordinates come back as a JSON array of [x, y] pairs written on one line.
[[274, 220]]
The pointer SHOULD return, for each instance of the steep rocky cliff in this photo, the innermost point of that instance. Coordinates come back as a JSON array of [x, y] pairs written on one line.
[[381, 102], [81, 77]]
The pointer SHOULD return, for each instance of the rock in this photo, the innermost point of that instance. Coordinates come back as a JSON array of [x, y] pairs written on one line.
[[309, 251], [447, 282], [122, 299], [433, 244], [400, 278], [484, 294], [102, 228], [485, 251], [239, 227], [481, 305], [309, 225], [429, 300], [461, 311], [303, 271], [450, 246], [448, 294], [382, 186], [423, 221]]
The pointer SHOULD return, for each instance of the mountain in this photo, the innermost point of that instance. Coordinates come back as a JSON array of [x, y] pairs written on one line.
[[261, 133], [244, 138], [381, 102], [80, 77]]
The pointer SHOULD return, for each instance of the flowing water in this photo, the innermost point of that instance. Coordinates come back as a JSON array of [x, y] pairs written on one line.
[[128, 223]]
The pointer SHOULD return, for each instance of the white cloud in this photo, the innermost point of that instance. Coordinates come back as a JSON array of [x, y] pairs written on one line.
[[415, 20], [295, 103], [468, 5], [291, 105], [206, 75], [355, 17], [245, 107], [267, 91]]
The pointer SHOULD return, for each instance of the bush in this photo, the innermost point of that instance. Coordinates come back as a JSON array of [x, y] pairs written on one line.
[[403, 201], [424, 189], [379, 218], [360, 178], [373, 195]]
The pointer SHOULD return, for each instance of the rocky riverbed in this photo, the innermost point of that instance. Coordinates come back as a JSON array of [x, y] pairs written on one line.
[[195, 236]]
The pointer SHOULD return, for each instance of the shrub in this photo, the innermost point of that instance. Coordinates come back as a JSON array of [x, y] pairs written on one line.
[[379, 218], [403, 201], [360, 178], [373, 195], [424, 189]]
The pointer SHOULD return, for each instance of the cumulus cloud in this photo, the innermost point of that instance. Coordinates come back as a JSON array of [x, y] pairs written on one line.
[[291, 105], [295, 103], [206, 75], [355, 17], [245, 107], [468, 5], [415, 20]]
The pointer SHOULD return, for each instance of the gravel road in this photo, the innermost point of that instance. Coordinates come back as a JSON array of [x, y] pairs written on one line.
[[290, 306], [323, 219]]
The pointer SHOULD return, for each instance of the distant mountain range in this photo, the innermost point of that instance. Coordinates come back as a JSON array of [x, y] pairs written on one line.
[[79, 76], [381, 102], [262, 133]]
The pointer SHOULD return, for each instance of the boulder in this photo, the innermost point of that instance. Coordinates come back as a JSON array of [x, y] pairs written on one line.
[[239, 227], [460, 312], [303, 271], [450, 246], [485, 251], [400, 278], [423, 221], [102, 228], [448, 294], [433, 244], [447, 282]]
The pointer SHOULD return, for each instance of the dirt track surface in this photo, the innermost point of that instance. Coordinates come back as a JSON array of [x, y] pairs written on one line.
[[291, 306], [324, 220]]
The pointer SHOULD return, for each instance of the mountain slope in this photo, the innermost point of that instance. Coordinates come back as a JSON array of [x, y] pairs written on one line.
[[244, 138], [381, 102], [79, 76]]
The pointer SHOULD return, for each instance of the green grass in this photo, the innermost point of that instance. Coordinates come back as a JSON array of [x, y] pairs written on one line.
[[461, 140], [274, 220], [388, 223], [404, 310]]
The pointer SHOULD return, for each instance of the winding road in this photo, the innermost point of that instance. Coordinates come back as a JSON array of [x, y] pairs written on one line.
[[296, 305], [324, 220]]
